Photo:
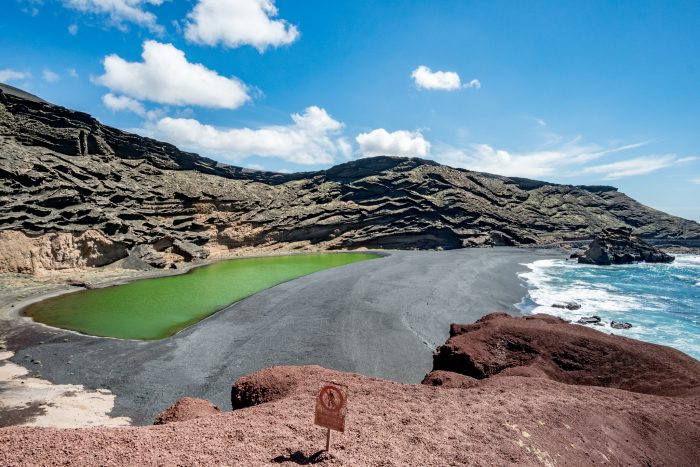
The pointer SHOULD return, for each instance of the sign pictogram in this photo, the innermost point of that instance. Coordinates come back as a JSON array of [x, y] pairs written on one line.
[[331, 408]]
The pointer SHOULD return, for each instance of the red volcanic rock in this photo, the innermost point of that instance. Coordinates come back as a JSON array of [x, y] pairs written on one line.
[[187, 408], [547, 393], [504, 420], [543, 345], [266, 385], [449, 379]]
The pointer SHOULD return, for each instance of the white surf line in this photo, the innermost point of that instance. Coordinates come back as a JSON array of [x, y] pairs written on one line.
[[38, 402]]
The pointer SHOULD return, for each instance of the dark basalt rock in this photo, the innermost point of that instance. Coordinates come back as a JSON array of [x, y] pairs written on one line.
[[589, 320], [64, 171], [620, 325], [621, 246], [567, 306]]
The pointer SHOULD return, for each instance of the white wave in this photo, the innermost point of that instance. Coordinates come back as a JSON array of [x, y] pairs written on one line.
[[690, 260], [604, 292]]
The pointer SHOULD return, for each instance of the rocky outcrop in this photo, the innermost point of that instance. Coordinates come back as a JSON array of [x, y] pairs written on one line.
[[185, 409], [62, 171], [621, 246], [62, 250], [264, 386], [545, 346]]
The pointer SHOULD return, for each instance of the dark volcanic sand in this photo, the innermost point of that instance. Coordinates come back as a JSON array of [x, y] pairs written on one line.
[[380, 318]]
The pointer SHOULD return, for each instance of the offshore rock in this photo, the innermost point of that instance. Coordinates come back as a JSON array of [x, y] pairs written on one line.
[[621, 246]]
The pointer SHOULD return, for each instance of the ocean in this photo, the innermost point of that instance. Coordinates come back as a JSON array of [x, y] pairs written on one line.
[[661, 301]]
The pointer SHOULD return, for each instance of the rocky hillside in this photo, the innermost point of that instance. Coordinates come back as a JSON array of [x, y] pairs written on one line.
[[76, 193]]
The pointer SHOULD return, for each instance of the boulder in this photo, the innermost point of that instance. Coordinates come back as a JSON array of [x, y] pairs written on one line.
[[264, 386], [620, 325], [544, 345], [567, 306], [620, 246], [589, 320], [187, 408]]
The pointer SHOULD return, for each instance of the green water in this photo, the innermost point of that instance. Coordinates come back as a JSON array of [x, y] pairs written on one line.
[[156, 308]]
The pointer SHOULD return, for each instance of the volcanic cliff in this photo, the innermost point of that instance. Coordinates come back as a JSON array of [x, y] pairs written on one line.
[[77, 193]]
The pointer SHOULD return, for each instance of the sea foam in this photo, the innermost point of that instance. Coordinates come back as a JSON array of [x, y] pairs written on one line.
[[661, 301]]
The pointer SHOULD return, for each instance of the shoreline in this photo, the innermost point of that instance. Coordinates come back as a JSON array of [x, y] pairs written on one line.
[[14, 312], [335, 318]]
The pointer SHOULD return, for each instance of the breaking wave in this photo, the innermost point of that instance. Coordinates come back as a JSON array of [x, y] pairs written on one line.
[[661, 301]]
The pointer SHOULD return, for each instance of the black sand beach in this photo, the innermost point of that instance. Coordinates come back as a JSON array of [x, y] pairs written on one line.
[[379, 318]]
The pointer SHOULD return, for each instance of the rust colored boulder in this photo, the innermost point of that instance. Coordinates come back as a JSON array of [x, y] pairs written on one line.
[[266, 385], [187, 408], [543, 345]]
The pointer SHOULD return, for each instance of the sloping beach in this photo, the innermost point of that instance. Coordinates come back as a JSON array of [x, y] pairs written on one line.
[[381, 318]]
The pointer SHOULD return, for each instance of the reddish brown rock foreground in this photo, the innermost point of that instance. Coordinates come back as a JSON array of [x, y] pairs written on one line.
[[187, 408], [539, 419], [546, 346]]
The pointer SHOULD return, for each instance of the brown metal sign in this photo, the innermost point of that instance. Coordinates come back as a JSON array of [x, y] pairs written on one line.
[[331, 406]]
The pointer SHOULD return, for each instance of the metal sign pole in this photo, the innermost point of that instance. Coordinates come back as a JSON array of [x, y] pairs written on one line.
[[328, 440]]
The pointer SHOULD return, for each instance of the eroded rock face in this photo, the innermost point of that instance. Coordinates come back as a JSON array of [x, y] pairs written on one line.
[[62, 171], [51, 251], [621, 246], [546, 346], [187, 408]]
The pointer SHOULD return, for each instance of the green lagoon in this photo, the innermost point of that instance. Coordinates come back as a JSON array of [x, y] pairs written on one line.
[[150, 309]]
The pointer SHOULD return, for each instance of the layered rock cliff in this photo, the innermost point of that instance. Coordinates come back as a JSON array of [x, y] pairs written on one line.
[[63, 172]]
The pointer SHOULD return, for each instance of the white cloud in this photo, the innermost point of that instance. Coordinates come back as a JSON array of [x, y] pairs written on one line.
[[120, 11], [8, 75], [398, 143], [425, 78], [72, 72], [696, 181], [636, 166], [568, 159], [233, 23], [309, 140], [165, 76], [73, 29], [50, 76], [119, 103], [475, 83]]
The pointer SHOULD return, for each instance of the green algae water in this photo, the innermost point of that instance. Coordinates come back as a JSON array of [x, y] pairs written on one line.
[[150, 309]]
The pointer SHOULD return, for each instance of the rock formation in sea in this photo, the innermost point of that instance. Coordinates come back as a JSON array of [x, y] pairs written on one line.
[[517, 391], [621, 246], [77, 193]]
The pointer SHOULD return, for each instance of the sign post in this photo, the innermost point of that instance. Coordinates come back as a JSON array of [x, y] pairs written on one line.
[[331, 408]]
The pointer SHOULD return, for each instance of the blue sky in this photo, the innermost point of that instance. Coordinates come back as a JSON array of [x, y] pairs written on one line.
[[567, 91]]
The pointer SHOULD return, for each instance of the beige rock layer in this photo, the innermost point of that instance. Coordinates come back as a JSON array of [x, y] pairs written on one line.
[[20, 253]]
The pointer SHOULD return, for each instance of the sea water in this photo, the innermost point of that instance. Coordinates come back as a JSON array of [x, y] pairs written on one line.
[[661, 301]]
